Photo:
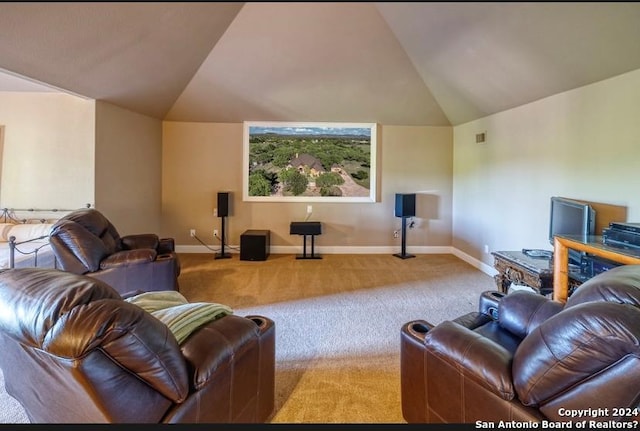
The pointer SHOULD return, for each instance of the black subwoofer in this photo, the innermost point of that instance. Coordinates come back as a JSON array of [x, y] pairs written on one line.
[[254, 245]]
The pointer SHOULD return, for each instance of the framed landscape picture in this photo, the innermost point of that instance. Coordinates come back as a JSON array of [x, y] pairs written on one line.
[[309, 162]]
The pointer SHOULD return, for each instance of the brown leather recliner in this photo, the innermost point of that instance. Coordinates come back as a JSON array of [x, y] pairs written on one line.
[[86, 242], [73, 351], [524, 357]]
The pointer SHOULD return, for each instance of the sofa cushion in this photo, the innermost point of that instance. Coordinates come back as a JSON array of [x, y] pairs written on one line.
[[88, 249], [96, 223]]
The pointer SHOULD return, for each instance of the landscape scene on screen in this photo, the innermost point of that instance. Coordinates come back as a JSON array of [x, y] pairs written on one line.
[[309, 161]]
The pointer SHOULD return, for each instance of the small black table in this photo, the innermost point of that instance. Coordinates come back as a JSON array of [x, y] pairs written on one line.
[[516, 267], [535, 272], [306, 228]]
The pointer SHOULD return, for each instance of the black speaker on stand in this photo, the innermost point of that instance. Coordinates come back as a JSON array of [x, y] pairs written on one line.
[[223, 212], [405, 207]]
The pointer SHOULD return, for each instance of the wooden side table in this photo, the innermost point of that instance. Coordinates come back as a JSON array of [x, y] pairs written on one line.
[[517, 267]]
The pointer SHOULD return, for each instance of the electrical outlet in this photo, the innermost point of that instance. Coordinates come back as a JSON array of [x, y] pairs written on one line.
[[215, 233], [395, 233], [192, 233], [215, 212], [309, 209]]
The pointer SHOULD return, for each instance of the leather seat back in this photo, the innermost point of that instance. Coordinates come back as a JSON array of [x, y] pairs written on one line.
[[71, 317], [76, 248], [620, 284], [98, 225], [590, 351]]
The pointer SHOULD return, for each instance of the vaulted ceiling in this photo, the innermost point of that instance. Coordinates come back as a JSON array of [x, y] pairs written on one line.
[[401, 63]]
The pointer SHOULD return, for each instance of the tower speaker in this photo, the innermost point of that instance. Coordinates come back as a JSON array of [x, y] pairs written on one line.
[[223, 204], [405, 205]]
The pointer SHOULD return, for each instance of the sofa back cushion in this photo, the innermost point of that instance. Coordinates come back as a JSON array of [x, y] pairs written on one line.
[[98, 225], [571, 349], [69, 316], [520, 312], [620, 285], [76, 248]]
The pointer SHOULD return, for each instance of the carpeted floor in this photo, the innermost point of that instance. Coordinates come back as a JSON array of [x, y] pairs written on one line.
[[338, 323]]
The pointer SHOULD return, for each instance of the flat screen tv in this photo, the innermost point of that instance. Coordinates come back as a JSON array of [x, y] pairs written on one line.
[[570, 217]]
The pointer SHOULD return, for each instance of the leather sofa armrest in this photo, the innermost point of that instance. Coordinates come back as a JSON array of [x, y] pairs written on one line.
[[489, 303], [143, 240], [476, 357], [214, 346], [231, 363], [166, 245], [128, 257]]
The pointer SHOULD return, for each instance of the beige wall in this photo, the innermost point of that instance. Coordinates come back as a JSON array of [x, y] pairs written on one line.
[[61, 150], [128, 178], [201, 159], [584, 144], [48, 155]]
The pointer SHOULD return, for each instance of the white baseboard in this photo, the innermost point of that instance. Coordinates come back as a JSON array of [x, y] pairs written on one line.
[[489, 270], [294, 249], [291, 249]]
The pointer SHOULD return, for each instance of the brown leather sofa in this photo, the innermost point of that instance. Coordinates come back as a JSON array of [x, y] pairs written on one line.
[[523, 357], [86, 242], [73, 351]]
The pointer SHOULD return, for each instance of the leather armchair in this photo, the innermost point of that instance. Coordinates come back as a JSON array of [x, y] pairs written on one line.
[[524, 357], [73, 351], [86, 242]]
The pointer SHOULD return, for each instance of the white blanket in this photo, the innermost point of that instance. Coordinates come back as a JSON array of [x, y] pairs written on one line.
[[32, 245]]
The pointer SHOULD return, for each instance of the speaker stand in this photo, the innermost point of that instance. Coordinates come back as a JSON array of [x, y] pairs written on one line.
[[222, 254], [403, 254]]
